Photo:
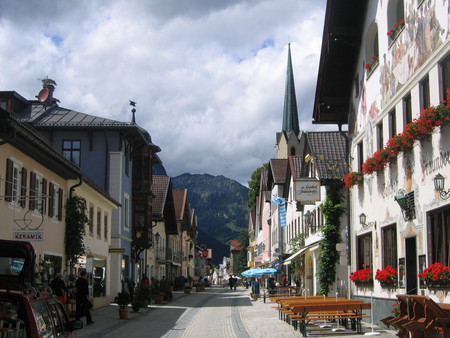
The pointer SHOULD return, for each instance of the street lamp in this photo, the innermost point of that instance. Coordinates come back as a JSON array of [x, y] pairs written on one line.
[[363, 219], [307, 218]]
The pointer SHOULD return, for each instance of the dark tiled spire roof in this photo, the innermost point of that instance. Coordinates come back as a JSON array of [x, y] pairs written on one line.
[[290, 113]]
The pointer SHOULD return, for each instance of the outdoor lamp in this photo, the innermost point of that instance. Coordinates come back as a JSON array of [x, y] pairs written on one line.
[[307, 218], [439, 184], [363, 219], [157, 237], [402, 199]]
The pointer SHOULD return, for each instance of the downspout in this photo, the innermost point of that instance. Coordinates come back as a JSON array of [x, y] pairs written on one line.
[[73, 187], [106, 162]]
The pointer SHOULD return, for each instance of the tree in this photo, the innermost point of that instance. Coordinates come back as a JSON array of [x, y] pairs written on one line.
[[297, 266], [241, 258], [254, 185]]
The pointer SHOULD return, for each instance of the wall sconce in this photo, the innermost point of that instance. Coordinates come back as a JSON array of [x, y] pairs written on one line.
[[402, 200], [363, 219], [307, 218], [439, 184]]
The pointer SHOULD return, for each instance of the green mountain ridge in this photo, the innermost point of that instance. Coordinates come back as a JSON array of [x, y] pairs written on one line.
[[221, 207]]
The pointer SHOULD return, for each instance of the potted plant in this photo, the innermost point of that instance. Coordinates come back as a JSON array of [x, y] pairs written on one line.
[[142, 294], [363, 277], [123, 299], [387, 277], [436, 275]]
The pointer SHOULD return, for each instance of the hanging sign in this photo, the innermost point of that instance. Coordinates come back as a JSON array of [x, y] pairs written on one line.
[[307, 191]]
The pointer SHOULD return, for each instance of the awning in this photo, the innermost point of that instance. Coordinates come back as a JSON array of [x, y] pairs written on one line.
[[290, 258], [310, 247]]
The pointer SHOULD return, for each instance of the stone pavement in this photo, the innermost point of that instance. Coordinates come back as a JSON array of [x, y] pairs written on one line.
[[215, 312]]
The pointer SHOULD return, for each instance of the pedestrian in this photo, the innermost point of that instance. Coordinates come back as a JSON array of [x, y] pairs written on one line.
[[83, 304], [59, 287], [283, 280], [145, 281]]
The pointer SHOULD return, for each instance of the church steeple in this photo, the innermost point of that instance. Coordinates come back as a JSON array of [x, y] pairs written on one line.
[[290, 113]]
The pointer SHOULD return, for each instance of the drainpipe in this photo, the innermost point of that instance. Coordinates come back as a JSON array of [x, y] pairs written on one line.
[[72, 188], [106, 187]]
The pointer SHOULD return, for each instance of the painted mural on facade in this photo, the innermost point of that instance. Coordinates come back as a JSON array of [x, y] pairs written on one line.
[[420, 36]]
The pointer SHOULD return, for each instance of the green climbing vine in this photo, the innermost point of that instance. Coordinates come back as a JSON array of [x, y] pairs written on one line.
[[76, 221], [297, 266], [332, 210]]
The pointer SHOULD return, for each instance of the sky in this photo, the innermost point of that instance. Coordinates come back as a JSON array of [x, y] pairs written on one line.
[[208, 76]]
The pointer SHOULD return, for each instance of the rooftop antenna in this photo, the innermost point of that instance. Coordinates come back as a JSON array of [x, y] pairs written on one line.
[[133, 111]]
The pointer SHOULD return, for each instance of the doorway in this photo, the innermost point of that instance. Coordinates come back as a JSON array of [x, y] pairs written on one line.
[[411, 265]]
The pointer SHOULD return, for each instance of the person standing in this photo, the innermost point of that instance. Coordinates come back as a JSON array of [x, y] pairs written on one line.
[[58, 286], [83, 304]]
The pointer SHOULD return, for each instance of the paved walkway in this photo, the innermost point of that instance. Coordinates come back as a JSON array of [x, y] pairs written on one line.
[[215, 312]]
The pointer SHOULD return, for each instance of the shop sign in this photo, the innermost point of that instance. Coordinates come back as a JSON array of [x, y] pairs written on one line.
[[29, 236], [117, 250], [307, 191]]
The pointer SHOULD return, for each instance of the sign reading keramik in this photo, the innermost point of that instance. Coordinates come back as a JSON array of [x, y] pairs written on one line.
[[29, 236], [116, 250]]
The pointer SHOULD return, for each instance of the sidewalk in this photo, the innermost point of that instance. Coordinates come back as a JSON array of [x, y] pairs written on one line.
[[215, 312]]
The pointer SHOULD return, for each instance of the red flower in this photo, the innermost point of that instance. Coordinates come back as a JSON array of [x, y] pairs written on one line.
[[364, 275], [388, 275], [436, 273]]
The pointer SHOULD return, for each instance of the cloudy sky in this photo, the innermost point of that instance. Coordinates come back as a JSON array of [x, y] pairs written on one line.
[[208, 76]]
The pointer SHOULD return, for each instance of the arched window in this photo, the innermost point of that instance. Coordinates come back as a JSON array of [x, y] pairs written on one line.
[[396, 21], [372, 50], [292, 151]]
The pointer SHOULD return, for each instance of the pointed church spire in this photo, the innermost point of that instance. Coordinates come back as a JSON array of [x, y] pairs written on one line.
[[290, 113]]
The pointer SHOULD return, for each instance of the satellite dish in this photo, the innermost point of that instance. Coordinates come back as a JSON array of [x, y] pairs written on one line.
[[43, 94]]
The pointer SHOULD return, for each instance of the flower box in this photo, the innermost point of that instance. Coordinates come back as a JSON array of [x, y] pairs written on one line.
[[436, 276], [387, 277], [362, 278]]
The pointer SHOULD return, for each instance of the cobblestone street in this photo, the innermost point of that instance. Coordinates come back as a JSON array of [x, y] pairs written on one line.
[[215, 312]]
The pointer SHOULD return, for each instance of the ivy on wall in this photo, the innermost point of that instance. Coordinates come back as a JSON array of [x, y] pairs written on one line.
[[76, 221], [332, 210]]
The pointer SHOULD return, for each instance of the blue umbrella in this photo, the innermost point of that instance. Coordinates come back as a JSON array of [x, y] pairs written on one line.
[[266, 272]]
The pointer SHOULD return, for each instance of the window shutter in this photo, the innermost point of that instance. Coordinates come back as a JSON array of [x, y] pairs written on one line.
[[23, 189], [44, 196], [429, 225], [9, 178], [60, 204], [32, 202], [51, 199]]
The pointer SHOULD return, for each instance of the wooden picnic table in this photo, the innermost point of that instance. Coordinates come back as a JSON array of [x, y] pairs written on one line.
[[353, 310]]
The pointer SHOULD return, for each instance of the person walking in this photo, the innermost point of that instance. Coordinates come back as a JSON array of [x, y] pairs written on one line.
[[59, 287], [83, 305]]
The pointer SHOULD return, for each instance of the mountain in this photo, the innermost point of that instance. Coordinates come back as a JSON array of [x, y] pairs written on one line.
[[221, 207]]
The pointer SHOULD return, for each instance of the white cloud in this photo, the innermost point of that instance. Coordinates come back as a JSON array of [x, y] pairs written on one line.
[[208, 76]]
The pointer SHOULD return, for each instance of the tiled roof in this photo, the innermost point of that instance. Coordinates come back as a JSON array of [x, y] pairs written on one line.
[[160, 188], [179, 199], [279, 167], [329, 152], [295, 164]]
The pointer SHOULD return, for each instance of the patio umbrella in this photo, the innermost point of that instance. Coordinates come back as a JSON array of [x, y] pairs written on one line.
[[266, 272], [251, 273]]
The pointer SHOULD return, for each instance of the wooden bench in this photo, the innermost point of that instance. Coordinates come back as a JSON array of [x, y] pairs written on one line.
[[352, 310]]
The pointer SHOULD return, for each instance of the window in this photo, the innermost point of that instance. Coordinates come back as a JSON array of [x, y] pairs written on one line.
[[72, 150], [364, 250], [99, 223], [392, 124], [44, 319], [424, 87], [407, 113], [380, 140], [395, 18], [125, 212], [372, 50], [439, 237], [444, 77], [16, 183], [360, 155], [55, 201], [38, 186], [91, 219], [389, 245], [105, 226]]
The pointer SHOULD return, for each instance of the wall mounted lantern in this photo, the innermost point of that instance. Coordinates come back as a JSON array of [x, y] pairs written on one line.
[[307, 218], [406, 202], [439, 186], [401, 199], [363, 219]]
